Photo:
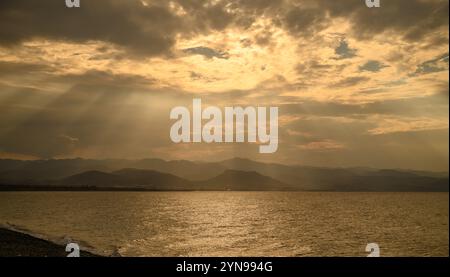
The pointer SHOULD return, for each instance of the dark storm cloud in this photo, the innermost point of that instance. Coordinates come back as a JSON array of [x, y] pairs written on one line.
[[414, 19], [411, 19], [304, 21], [152, 30], [148, 30], [143, 30]]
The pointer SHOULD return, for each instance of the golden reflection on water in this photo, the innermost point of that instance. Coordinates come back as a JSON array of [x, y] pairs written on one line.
[[236, 223]]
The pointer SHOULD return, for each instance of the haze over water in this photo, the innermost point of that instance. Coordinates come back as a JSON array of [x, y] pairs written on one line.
[[236, 223]]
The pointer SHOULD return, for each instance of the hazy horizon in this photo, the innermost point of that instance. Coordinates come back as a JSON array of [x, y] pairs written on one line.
[[223, 160]]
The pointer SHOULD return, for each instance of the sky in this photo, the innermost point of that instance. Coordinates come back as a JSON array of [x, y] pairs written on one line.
[[355, 86]]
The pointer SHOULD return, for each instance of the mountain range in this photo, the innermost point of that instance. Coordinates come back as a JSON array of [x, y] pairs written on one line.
[[233, 174]]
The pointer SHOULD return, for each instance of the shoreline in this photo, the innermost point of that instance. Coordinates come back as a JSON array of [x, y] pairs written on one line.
[[20, 188], [17, 244]]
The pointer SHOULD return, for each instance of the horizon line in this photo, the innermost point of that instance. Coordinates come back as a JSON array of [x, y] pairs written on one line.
[[221, 161]]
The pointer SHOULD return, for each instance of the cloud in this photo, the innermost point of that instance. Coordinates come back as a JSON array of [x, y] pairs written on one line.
[[197, 76], [350, 81], [100, 81], [94, 114], [141, 29], [207, 52], [10, 69], [372, 66], [149, 30], [312, 67], [153, 29], [304, 21], [69, 139], [437, 64], [387, 125], [343, 51], [325, 145], [435, 105], [410, 19]]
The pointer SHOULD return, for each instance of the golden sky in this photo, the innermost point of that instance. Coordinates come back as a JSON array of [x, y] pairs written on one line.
[[354, 86]]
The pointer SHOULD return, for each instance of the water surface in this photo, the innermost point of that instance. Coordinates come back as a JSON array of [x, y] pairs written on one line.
[[236, 223]]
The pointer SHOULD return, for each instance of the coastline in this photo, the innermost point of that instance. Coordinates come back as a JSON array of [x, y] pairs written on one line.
[[16, 244]]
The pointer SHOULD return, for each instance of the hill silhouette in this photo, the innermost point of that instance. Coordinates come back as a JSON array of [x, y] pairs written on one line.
[[233, 174], [154, 180], [243, 180], [92, 178]]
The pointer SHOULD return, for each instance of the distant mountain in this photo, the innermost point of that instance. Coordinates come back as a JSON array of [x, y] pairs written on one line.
[[126, 179], [139, 179], [93, 179], [233, 174], [13, 170], [52, 169], [243, 180], [193, 171], [154, 180], [345, 179]]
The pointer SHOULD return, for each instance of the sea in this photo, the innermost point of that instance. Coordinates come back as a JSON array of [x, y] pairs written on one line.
[[187, 224]]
